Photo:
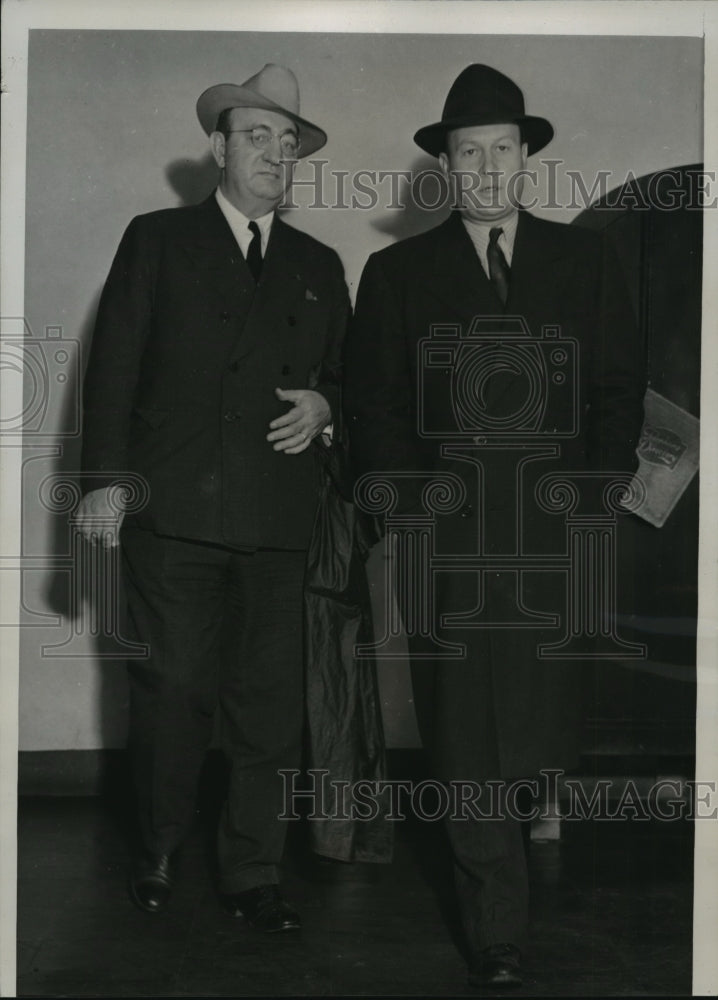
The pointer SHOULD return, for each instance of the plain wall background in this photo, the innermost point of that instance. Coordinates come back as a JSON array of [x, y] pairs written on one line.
[[112, 133]]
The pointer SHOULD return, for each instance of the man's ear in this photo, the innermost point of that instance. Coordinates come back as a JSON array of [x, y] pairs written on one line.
[[444, 164], [216, 144], [524, 154]]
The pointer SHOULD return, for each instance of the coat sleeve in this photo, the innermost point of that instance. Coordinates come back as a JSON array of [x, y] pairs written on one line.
[[113, 369], [618, 374], [329, 377], [379, 394]]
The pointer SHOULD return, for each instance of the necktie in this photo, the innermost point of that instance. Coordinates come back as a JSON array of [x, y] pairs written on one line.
[[254, 252], [498, 268]]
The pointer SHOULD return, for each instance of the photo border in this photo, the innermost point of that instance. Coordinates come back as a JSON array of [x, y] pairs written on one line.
[[697, 18]]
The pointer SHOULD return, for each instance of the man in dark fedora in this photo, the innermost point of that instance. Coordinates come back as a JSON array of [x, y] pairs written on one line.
[[492, 350], [213, 370]]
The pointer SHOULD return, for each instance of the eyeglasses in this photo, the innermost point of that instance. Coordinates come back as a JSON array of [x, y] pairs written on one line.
[[289, 142]]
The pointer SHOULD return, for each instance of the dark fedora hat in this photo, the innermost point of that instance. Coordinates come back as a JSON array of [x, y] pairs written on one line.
[[480, 95]]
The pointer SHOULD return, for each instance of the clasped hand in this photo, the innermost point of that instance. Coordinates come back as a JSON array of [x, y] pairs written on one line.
[[99, 520], [293, 432]]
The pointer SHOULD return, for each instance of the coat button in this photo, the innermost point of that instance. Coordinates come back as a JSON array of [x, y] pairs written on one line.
[[480, 440], [292, 320], [233, 366], [224, 316], [231, 415], [467, 510]]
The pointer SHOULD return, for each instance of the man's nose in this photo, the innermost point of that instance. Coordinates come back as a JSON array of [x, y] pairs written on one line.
[[273, 150], [490, 165], [484, 165]]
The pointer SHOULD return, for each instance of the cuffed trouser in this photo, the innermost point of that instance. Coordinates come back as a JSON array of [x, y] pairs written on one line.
[[224, 627], [491, 880], [490, 870]]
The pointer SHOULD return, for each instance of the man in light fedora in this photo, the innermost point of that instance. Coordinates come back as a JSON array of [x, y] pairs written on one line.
[[496, 347], [213, 370]]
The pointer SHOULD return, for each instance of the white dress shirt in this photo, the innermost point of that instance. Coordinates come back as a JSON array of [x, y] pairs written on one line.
[[479, 233], [239, 224]]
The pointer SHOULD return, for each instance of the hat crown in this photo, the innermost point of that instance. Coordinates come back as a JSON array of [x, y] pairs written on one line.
[[273, 88], [483, 90], [480, 95], [277, 84]]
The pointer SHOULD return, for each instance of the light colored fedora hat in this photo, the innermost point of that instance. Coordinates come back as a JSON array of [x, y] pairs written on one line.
[[274, 88]]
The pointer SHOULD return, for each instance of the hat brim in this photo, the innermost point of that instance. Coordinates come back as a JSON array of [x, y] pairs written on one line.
[[535, 132], [216, 99]]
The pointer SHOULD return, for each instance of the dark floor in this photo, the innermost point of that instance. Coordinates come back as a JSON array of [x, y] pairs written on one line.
[[611, 916]]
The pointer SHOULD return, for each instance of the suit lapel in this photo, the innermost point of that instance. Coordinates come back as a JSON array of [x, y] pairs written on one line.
[[461, 281], [536, 272], [214, 251], [459, 278], [281, 283]]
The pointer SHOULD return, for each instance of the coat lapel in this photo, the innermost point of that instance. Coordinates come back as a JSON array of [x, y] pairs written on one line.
[[213, 249], [281, 283], [459, 279], [215, 253], [536, 271], [537, 274]]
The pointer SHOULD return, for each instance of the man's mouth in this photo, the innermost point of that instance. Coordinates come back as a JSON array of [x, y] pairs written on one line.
[[483, 196]]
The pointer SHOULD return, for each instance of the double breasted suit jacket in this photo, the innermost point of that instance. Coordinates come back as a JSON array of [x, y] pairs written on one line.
[[185, 359], [501, 711]]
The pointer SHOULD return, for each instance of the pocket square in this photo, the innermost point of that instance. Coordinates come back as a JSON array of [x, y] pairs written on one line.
[[310, 296]]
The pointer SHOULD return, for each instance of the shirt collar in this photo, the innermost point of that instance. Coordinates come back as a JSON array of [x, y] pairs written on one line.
[[479, 235], [482, 229], [239, 223]]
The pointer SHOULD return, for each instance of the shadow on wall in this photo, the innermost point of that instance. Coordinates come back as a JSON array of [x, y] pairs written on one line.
[[71, 590], [192, 180], [419, 202], [420, 205]]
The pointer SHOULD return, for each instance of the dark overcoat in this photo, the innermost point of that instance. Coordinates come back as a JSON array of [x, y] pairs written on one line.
[[441, 377], [185, 359]]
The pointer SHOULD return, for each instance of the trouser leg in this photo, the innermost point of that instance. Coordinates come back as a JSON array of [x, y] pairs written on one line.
[[491, 880], [262, 710], [489, 856], [175, 594]]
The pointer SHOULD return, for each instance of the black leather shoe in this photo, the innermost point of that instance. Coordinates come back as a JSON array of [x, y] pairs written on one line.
[[264, 908], [499, 966], [151, 882]]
